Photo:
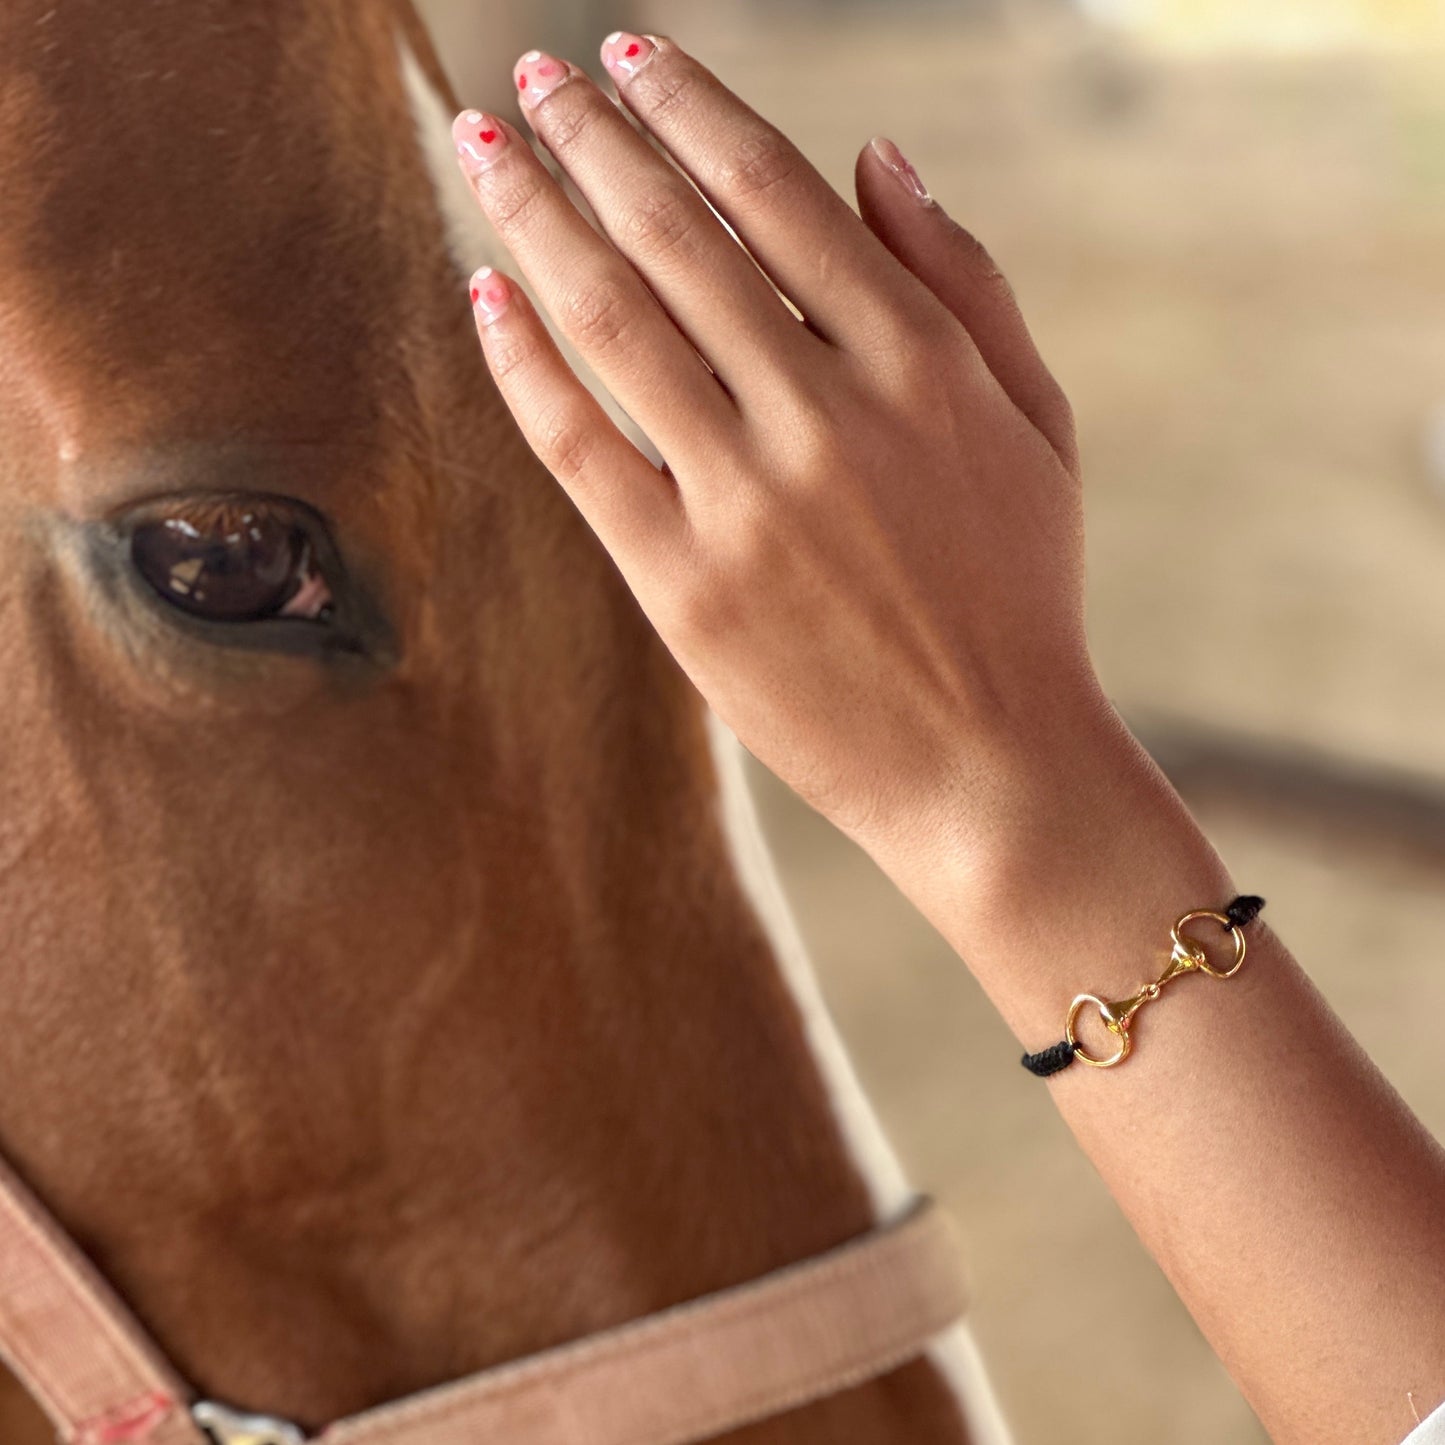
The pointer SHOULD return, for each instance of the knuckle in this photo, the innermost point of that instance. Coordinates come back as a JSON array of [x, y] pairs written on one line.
[[1005, 289], [568, 126], [511, 200], [936, 334], [1054, 416], [565, 443], [1057, 405], [975, 258], [663, 223], [921, 355], [669, 90], [810, 449], [932, 352], [507, 354], [598, 315], [757, 165]]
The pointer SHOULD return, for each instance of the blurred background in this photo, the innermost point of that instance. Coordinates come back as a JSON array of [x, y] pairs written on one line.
[[1226, 222]]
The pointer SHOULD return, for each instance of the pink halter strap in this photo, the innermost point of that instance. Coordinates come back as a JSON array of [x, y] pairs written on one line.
[[71, 1342], [684, 1375]]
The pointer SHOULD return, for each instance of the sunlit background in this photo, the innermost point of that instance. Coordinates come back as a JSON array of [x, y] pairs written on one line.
[[1226, 221]]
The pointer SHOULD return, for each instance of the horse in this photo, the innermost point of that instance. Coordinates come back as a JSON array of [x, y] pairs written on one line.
[[395, 979]]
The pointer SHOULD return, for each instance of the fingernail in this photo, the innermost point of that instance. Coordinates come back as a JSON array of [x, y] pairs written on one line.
[[537, 75], [901, 167], [479, 139], [491, 294], [624, 54]]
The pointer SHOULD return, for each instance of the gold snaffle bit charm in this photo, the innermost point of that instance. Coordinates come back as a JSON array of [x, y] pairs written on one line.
[[1118, 1015]]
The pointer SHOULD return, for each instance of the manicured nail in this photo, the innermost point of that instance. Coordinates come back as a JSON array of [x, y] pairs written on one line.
[[491, 294], [479, 139], [901, 167], [537, 75], [624, 54]]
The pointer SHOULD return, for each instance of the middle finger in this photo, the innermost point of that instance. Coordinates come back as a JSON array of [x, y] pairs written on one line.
[[653, 214]]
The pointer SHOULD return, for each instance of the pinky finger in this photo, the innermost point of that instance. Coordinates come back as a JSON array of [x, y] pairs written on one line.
[[634, 508]]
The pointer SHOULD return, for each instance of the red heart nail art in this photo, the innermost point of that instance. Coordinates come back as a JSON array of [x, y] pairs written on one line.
[[479, 140], [625, 54], [521, 82], [546, 70]]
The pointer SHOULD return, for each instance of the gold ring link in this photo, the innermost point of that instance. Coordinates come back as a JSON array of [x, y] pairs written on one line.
[[1116, 1026], [1191, 946]]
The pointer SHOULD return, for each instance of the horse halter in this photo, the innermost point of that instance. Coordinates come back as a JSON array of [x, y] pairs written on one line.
[[686, 1374]]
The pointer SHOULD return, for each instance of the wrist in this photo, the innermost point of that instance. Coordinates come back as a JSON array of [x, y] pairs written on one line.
[[1066, 873]]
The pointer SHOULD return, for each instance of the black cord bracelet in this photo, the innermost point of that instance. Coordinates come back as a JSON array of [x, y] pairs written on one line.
[[1236, 916]]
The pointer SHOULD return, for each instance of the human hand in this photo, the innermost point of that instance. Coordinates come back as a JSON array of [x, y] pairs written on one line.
[[865, 546], [865, 549]]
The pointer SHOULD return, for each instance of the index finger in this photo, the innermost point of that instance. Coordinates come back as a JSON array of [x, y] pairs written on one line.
[[798, 228]]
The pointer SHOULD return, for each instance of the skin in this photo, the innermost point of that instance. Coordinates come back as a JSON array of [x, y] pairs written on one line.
[[865, 549], [371, 1015]]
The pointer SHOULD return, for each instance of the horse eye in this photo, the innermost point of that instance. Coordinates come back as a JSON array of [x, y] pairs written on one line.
[[233, 561]]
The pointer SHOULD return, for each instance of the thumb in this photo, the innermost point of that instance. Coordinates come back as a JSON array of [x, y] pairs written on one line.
[[955, 267]]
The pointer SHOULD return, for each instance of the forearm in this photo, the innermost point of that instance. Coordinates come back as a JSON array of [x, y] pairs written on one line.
[[1296, 1204]]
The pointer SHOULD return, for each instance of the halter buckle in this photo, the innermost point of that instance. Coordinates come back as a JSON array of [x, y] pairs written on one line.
[[231, 1427]]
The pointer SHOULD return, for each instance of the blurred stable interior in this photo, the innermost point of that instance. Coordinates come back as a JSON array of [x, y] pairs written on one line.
[[1226, 223]]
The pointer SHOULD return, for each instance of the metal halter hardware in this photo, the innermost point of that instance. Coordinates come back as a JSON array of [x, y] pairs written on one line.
[[230, 1427], [1187, 957]]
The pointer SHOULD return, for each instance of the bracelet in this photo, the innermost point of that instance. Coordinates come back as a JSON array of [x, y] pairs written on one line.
[[1187, 957]]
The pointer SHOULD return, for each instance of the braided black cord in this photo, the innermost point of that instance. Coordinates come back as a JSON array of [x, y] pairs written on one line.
[[1050, 1060], [1241, 912], [1244, 910]]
